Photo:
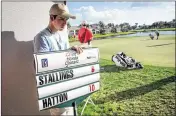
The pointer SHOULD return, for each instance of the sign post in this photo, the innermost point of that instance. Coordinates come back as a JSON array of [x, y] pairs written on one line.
[[74, 108], [65, 78]]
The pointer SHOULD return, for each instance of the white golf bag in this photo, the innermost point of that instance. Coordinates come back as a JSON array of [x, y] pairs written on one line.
[[122, 60]]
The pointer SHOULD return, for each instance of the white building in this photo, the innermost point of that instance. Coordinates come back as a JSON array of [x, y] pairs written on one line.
[[73, 30]]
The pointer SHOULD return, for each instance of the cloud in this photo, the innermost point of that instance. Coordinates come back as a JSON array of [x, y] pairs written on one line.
[[164, 11]]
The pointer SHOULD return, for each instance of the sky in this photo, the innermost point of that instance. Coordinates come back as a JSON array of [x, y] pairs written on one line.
[[120, 12]]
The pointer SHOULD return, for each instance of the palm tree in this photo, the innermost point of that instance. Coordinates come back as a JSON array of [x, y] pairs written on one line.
[[136, 24], [116, 25], [80, 26], [101, 24], [109, 25], [144, 26], [121, 26], [112, 24]]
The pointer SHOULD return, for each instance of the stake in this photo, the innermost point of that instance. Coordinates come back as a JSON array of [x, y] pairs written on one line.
[[74, 108]]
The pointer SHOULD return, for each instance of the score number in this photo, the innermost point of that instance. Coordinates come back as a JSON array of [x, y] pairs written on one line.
[[92, 87]]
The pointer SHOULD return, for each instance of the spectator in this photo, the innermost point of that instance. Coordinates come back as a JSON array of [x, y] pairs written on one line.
[[85, 35]]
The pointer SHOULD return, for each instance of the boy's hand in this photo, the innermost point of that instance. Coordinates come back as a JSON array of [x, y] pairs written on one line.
[[78, 49]]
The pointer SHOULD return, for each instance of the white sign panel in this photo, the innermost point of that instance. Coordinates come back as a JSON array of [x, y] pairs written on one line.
[[68, 74], [67, 96], [65, 59], [67, 85]]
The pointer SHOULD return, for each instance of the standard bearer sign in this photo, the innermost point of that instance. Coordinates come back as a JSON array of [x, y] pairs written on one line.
[[65, 76]]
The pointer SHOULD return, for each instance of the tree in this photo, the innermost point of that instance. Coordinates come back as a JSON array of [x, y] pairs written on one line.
[[109, 25], [144, 26], [165, 24], [114, 30], [173, 23], [102, 31], [139, 26], [154, 25], [101, 24], [116, 25], [121, 26], [80, 26], [136, 24], [112, 25], [133, 27]]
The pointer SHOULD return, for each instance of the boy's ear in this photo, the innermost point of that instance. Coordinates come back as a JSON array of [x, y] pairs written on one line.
[[52, 18]]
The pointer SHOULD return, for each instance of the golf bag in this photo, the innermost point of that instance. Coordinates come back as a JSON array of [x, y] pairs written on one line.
[[122, 60]]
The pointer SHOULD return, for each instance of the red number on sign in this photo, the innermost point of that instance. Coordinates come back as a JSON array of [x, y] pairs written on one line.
[[92, 87]]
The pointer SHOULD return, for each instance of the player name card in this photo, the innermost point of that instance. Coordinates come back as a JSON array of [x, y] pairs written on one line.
[[65, 59], [65, 76], [67, 96]]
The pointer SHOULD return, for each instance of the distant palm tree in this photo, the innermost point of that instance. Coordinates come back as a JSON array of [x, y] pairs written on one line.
[[136, 25], [121, 26], [144, 26], [101, 24], [109, 25], [80, 26], [116, 25]]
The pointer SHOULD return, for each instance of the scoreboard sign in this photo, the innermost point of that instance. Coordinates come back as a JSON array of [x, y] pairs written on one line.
[[65, 76]]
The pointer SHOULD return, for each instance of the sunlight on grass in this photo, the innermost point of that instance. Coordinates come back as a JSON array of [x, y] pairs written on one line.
[[150, 91]]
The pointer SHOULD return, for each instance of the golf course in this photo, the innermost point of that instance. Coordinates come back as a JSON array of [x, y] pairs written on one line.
[[147, 91]]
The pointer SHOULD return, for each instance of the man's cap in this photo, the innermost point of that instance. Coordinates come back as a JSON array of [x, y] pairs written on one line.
[[84, 23], [61, 10]]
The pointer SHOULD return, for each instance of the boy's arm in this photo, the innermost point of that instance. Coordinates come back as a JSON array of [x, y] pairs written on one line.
[[41, 44]]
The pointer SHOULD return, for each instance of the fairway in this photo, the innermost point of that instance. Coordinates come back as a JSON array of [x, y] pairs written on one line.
[[149, 52], [149, 91]]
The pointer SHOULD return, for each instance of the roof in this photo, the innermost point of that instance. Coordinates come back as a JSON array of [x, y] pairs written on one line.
[[74, 28]]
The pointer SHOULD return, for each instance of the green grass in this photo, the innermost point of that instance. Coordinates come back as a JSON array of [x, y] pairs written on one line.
[[149, 52], [149, 91]]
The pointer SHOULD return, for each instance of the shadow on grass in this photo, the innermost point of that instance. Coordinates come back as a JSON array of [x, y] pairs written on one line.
[[130, 93], [160, 45], [114, 68]]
